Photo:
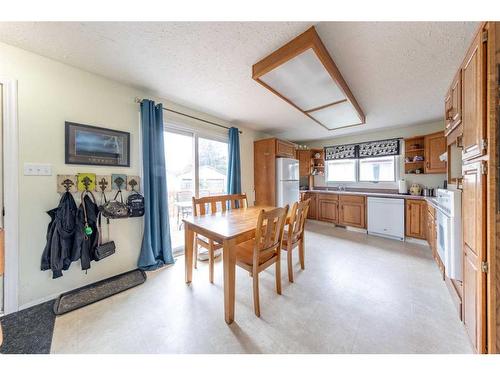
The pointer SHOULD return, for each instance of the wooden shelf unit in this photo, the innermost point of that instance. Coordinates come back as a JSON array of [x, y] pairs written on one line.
[[414, 147]]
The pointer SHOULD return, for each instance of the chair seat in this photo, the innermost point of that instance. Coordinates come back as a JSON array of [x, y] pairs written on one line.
[[244, 253], [203, 241], [284, 243]]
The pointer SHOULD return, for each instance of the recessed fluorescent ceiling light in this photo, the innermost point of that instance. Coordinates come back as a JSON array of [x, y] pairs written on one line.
[[304, 75]]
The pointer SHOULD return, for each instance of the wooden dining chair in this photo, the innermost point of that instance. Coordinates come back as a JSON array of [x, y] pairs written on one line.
[[256, 254], [294, 235], [211, 205]]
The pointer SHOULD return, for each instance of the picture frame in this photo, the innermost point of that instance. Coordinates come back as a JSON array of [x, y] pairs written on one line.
[[92, 145]]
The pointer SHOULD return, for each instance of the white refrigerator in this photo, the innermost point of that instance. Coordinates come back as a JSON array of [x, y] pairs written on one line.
[[287, 181]]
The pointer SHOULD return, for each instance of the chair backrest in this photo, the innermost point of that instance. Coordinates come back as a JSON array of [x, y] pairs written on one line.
[[217, 203], [269, 233], [297, 220]]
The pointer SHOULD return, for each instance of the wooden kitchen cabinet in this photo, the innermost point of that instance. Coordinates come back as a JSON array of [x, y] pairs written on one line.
[[304, 157], [313, 205], [474, 247], [453, 104], [474, 100], [352, 211], [265, 152], [285, 149], [416, 218], [431, 236], [434, 146], [328, 208]]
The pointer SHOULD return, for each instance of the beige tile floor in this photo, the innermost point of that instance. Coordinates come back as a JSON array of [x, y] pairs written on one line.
[[358, 294]]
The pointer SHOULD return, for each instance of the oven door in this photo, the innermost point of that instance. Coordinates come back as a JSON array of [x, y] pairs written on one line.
[[443, 235]]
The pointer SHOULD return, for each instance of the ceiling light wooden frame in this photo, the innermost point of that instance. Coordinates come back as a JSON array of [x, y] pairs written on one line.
[[309, 41]]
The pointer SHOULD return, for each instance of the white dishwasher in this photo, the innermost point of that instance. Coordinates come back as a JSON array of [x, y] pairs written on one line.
[[386, 217]]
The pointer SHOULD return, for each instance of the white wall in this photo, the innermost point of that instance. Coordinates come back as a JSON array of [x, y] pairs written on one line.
[[51, 93], [429, 180]]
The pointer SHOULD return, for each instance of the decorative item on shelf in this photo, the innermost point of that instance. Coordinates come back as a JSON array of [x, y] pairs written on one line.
[[418, 158], [66, 182], [118, 181], [133, 183], [418, 170], [415, 189], [91, 145], [317, 155], [86, 181]]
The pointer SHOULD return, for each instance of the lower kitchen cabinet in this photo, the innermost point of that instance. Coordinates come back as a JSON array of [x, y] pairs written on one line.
[[416, 218], [431, 235], [352, 211], [313, 205], [328, 208]]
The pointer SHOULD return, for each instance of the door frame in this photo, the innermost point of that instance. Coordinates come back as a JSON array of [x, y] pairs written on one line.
[[11, 194]]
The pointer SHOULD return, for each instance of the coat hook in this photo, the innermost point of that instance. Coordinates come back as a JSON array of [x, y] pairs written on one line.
[[67, 184], [119, 182], [133, 184], [103, 184], [86, 182]]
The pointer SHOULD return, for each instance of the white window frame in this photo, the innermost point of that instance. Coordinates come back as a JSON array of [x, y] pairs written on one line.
[[176, 127], [373, 184]]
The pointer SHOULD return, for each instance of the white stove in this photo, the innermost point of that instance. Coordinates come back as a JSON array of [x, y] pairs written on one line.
[[449, 231]]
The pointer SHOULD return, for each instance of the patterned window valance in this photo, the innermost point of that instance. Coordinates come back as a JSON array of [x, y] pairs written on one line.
[[373, 149], [340, 152]]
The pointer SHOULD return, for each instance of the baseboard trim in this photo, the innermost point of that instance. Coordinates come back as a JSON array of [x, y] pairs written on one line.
[[417, 241]]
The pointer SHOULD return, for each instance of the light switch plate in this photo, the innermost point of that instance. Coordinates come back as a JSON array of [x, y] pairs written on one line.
[[32, 169]]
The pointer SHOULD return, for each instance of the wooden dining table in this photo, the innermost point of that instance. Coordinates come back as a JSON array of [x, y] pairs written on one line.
[[228, 228]]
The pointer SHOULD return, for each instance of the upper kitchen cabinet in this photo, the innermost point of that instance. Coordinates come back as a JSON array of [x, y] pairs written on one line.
[[434, 146], [453, 104], [474, 99], [304, 157], [285, 149]]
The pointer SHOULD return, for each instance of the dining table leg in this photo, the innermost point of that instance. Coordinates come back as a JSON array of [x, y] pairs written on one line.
[[188, 251], [229, 263]]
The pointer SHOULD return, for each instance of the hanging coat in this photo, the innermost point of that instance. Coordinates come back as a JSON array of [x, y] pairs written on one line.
[[56, 255], [85, 245]]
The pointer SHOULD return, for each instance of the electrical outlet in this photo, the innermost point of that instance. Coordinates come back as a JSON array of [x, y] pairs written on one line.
[[32, 169]]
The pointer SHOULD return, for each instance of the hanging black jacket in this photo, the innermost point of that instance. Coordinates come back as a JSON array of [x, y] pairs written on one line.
[[85, 245], [60, 236]]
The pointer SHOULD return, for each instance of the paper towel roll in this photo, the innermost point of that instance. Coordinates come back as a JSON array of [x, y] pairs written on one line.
[[402, 187]]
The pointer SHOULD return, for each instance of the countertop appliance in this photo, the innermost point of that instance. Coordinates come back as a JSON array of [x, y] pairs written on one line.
[[428, 192], [449, 231], [386, 217], [287, 181]]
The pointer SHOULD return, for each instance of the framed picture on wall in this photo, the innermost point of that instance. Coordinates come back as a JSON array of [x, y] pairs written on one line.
[[91, 145]]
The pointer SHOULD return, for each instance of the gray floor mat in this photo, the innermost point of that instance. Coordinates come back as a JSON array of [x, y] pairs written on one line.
[[29, 331], [89, 294]]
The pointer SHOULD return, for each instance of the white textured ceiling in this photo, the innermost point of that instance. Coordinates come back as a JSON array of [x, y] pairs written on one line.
[[398, 71]]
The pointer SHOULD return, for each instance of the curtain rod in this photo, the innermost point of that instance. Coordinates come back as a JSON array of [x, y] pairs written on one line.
[[138, 100]]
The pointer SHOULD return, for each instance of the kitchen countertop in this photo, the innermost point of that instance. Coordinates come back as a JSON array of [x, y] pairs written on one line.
[[367, 193]]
